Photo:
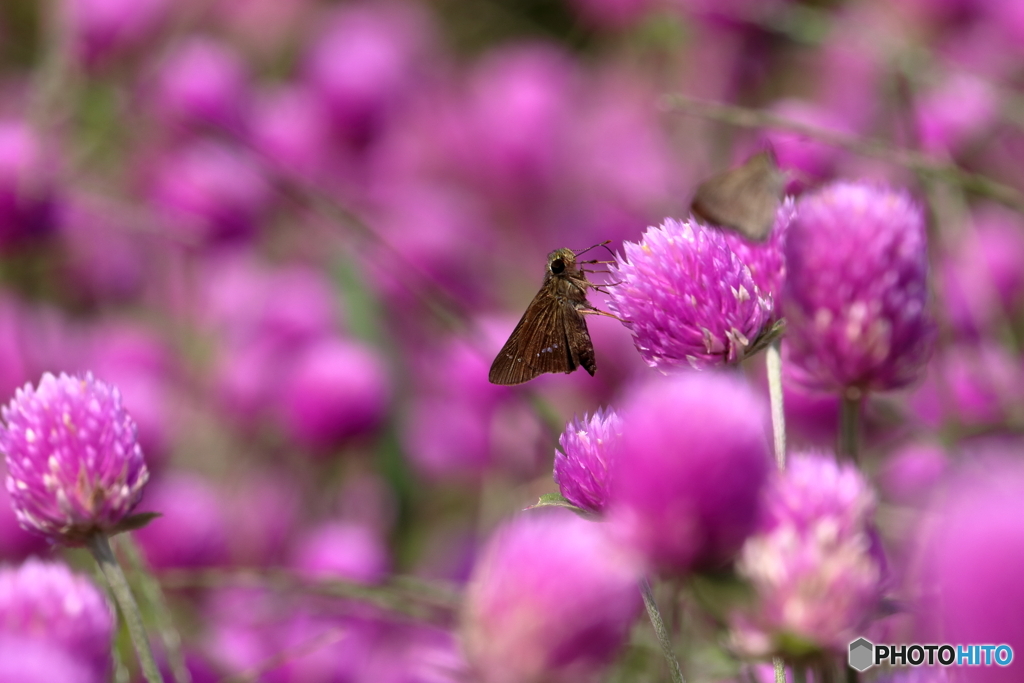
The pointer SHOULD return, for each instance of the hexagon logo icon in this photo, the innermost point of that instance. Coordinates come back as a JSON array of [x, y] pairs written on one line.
[[862, 654]]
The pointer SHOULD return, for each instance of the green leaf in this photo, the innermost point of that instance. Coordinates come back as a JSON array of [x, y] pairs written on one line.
[[557, 500], [133, 522]]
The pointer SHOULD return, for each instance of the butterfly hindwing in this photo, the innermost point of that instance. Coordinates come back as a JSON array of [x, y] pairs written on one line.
[[550, 337], [745, 198]]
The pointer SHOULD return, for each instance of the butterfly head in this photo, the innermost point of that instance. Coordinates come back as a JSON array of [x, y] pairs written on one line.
[[561, 261]]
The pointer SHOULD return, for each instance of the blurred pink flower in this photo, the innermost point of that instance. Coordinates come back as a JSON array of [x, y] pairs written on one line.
[[982, 276], [210, 192], [550, 600], [290, 126], [911, 474], [192, 530], [342, 550], [202, 82], [970, 386], [366, 59], [856, 289], [954, 113], [685, 489], [519, 111], [28, 192], [814, 563], [46, 603], [972, 557], [337, 389], [104, 29]]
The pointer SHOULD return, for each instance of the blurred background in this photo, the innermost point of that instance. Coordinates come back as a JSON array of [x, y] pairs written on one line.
[[296, 232]]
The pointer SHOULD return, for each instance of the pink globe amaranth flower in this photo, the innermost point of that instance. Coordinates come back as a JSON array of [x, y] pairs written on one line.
[[291, 128], [689, 299], [28, 193], [192, 530], [814, 564], [982, 278], [366, 61], [102, 29], [960, 109], [336, 390], [970, 386], [856, 289], [812, 161], [24, 660], [342, 550], [48, 603], [971, 560], [210, 192], [588, 447], [105, 259], [74, 466], [913, 472], [448, 439], [686, 485], [519, 112], [203, 82], [550, 600]]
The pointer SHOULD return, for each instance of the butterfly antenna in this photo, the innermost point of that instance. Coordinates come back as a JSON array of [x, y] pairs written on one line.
[[602, 244]]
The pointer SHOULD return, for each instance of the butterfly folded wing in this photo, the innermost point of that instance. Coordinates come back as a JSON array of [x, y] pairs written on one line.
[[550, 337]]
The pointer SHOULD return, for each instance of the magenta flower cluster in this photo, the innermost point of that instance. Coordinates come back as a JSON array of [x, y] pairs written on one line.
[[74, 465], [856, 290], [814, 563], [691, 300], [53, 619], [294, 234], [588, 446]]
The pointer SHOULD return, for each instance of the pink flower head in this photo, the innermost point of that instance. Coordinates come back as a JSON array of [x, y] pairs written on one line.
[[686, 485], [74, 466], [690, 299], [814, 564], [971, 560], [588, 448], [856, 288], [550, 600], [47, 603]]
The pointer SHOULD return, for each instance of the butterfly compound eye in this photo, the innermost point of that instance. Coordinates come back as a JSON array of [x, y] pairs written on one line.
[[557, 266]]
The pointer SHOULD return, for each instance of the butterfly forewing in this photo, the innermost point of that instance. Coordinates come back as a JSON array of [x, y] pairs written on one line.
[[543, 341], [552, 335], [745, 198]]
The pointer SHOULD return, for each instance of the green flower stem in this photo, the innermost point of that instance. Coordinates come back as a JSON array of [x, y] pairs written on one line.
[[851, 406], [773, 362], [118, 584], [659, 628], [154, 595], [773, 365]]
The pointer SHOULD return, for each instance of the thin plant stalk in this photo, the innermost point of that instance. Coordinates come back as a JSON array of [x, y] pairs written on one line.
[[154, 595], [773, 365], [659, 629], [118, 584], [851, 406]]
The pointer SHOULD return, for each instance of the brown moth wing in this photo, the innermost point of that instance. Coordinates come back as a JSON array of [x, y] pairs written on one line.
[[545, 328], [745, 198]]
